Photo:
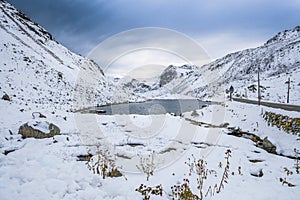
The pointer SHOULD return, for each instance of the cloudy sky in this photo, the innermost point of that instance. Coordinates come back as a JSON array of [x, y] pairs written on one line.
[[218, 26]]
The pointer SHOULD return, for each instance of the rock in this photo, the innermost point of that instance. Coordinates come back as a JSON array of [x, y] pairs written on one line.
[[84, 157], [38, 130], [6, 97], [194, 113], [224, 125], [36, 115], [167, 75], [54, 129], [258, 173], [289, 125], [267, 145], [115, 173]]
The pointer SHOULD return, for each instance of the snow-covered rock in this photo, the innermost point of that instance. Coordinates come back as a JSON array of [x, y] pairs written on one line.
[[38, 129]]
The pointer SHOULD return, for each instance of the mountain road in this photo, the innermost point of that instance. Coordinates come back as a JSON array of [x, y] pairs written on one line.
[[289, 107]]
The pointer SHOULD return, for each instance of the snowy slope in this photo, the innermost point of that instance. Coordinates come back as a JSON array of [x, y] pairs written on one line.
[[35, 69], [278, 59]]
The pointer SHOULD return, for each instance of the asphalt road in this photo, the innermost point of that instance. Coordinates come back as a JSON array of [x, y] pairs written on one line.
[[289, 107]]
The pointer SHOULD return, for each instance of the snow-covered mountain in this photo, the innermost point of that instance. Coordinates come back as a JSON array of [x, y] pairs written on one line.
[[128, 89], [35, 69], [71, 153], [278, 59]]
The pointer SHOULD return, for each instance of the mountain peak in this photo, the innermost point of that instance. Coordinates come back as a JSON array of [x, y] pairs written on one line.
[[276, 59], [17, 15], [286, 35]]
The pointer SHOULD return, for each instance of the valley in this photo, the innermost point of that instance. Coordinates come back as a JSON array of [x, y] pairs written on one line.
[[69, 131]]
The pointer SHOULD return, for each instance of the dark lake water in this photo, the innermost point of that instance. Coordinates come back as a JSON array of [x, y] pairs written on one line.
[[154, 107]]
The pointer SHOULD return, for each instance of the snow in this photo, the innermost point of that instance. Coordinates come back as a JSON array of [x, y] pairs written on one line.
[[42, 126], [49, 168], [39, 168]]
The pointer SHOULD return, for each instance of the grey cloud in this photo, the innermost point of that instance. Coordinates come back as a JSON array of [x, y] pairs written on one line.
[[92, 21]]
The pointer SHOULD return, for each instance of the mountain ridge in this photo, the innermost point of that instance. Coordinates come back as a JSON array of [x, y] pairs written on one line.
[[37, 69], [279, 55]]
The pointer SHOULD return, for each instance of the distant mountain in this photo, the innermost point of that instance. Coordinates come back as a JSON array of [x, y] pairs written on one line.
[[277, 59], [35, 69]]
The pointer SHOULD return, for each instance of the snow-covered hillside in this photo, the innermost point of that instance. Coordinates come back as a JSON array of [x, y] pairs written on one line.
[[278, 59], [35, 69]]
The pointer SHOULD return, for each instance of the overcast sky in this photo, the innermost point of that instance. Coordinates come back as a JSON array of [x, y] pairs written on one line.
[[219, 26]]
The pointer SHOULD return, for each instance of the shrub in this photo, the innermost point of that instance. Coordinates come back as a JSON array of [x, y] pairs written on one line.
[[147, 164], [147, 191], [183, 191], [103, 164], [199, 168]]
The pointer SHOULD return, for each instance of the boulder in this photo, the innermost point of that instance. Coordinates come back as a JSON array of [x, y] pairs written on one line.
[[114, 173], [194, 113], [6, 97], [257, 173], [38, 130], [267, 145]]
